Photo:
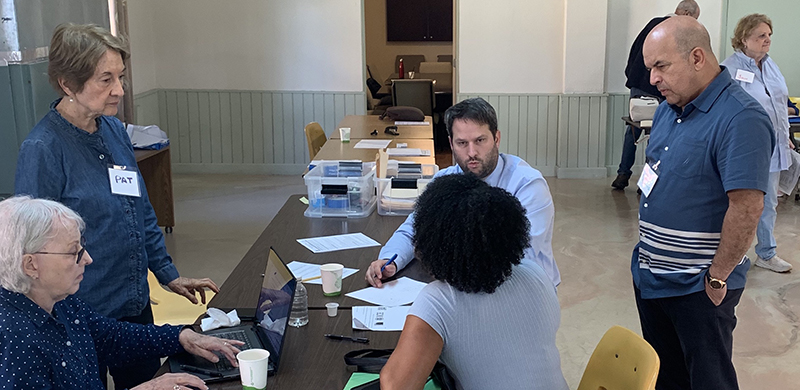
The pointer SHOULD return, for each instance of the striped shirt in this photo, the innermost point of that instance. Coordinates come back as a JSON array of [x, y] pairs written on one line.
[[719, 142]]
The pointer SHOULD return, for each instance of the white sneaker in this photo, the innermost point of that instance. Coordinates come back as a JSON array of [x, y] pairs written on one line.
[[774, 264]]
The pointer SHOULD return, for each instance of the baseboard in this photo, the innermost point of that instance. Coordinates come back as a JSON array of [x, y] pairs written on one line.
[[581, 173], [612, 170], [247, 169]]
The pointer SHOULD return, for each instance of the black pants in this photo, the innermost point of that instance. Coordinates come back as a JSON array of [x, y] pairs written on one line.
[[132, 375], [693, 339]]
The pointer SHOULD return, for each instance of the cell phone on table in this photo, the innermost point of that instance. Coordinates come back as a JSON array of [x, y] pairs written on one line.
[[374, 384]]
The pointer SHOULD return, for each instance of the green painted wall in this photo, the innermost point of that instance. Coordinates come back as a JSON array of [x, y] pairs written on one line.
[[785, 50]]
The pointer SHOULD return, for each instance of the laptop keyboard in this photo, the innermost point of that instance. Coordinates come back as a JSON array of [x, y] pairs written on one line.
[[239, 335]]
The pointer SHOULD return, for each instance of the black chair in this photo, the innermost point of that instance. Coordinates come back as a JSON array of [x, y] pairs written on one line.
[[414, 93], [444, 58]]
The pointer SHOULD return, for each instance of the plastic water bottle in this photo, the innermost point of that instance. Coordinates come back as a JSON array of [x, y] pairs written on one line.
[[299, 314]]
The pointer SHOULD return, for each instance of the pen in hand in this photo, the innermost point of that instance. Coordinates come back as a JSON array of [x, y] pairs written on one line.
[[351, 338], [389, 262]]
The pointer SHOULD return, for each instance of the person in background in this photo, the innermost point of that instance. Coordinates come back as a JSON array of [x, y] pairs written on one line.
[[708, 168], [752, 68], [66, 158], [639, 84], [52, 340], [475, 141], [491, 315], [793, 110]]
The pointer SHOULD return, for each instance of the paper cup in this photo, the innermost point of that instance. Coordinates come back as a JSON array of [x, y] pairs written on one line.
[[332, 308], [344, 132], [331, 279], [253, 365]]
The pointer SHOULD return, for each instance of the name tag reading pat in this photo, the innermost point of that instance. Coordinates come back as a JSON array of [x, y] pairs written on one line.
[[648, 179], [124, 181]]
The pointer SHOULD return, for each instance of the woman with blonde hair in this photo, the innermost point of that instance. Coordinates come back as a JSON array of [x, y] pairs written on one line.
[[752, 67]]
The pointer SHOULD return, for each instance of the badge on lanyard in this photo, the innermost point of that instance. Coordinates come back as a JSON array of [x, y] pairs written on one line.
[[648, 179], [124, 180], [743, 75]]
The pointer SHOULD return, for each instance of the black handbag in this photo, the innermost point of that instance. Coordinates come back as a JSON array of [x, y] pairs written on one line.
[[373, 360], [373, 85], [403, 113]]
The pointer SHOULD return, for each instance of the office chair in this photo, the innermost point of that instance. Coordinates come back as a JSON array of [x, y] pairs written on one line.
[[435, 67], [414, 93], [171, 308], [410, 62], [621, 361], [444, 58], [315, 137]]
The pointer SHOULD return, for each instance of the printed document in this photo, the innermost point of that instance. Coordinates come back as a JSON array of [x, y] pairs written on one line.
[[337, 243], [373, 144], [302, 270], [395, 293], [379, 318]]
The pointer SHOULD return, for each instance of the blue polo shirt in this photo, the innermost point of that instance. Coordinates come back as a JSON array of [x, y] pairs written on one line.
[[719, 142]]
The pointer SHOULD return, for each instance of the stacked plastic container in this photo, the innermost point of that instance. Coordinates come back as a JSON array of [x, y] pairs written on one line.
[[402, 185], [341, 189]]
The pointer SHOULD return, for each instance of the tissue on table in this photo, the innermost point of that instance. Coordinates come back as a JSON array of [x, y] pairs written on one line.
[[217, 319]]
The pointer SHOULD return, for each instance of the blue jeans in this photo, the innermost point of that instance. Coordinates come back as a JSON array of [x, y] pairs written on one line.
[[765, 247]]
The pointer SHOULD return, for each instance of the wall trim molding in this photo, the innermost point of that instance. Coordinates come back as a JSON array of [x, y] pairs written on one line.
[[248, 169]]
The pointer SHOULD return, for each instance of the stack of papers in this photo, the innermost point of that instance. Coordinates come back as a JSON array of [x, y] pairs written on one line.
[[411, 123], [373, 144], [398, 292], [379, 318], [302, 270], [408, 152], [337, 242], [400, 199]]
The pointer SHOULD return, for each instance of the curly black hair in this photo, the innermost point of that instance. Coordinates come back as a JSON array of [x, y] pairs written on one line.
[[468, 233]]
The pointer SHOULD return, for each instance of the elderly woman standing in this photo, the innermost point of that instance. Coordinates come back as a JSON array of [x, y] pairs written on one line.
[[67, 156], [50, 339], [755, 71]]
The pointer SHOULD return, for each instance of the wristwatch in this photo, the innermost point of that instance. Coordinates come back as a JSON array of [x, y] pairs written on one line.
[[716, 284]]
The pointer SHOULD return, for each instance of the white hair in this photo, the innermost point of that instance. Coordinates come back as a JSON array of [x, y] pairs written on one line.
[[26, 226]]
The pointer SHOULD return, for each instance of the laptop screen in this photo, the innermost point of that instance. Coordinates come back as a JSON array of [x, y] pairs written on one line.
[[274, 303]]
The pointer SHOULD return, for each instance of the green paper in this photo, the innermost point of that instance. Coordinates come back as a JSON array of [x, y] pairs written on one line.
[[359, 378]]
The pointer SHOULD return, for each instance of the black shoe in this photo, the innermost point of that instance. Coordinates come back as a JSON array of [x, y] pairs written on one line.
[[620, 182]]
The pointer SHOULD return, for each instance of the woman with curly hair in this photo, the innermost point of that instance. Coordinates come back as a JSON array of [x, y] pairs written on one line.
[[491, 315]]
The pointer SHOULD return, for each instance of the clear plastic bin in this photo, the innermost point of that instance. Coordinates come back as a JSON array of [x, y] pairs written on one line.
[[341, 189], [404, 182]]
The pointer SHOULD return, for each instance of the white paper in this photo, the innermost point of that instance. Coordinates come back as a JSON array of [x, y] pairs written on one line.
[[337, 243], [395, 293], [373, 144], [217, 319], [302, 270], [411, 123], [124, 182], [407, 152], [379, 318]]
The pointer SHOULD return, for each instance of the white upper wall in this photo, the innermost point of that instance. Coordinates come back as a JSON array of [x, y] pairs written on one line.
[[510, 46], [287, 45], [626, 18], [142, 42], [584, 54]]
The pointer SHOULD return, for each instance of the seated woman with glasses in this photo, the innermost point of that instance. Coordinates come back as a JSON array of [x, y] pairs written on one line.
[[491, 315], [49, 339]]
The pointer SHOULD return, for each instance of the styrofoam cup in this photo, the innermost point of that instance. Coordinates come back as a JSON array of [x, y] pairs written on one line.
[[253, 367], [344, 132], [331, 279], [332, 308]]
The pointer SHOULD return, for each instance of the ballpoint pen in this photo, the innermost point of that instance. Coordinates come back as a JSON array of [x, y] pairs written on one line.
[[351, 338], [389, 262], [198, 370]]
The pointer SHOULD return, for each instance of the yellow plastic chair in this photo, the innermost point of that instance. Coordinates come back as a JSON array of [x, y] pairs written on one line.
[[315, 137], [171, 308], [621, 361]]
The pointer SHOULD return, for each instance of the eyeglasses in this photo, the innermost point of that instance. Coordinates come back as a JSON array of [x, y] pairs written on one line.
[[79, 253]]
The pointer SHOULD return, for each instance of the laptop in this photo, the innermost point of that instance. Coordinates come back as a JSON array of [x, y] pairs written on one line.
[[268, 331]]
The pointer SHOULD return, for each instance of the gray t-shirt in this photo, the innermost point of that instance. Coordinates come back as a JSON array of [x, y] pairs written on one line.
[[506, 339]]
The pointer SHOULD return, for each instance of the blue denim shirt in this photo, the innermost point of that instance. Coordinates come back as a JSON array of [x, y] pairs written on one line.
[[61, 351], [721, 141], [61, 162]]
